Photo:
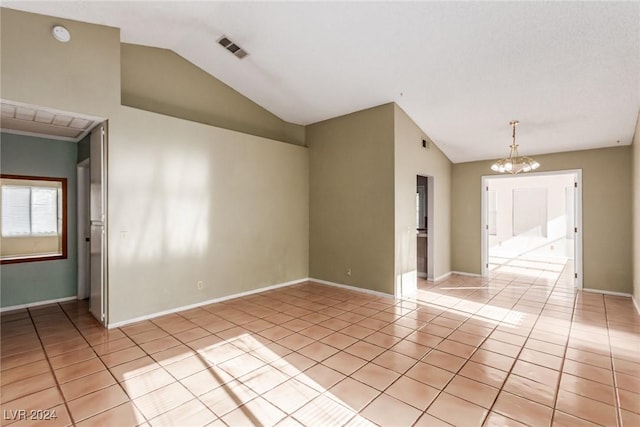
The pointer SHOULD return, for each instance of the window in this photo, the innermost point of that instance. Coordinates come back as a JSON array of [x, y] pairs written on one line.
[[33, 218]]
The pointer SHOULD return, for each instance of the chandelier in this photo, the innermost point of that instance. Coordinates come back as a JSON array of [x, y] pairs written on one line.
[[514, 163]]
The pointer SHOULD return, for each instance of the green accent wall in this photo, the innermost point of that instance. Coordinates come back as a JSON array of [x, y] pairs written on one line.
[[606, 214], [185, 91], [30, 282], [351, 196]]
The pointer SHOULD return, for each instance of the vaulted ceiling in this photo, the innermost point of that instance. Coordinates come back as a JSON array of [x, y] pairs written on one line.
[[569, 71]]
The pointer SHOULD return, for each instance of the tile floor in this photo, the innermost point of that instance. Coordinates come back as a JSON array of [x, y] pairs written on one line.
[[517, 349]]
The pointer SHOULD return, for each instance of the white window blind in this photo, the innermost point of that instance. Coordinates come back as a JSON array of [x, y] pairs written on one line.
[[29, 211]]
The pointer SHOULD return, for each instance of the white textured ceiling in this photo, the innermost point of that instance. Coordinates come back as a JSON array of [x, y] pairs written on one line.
[[569, 71]]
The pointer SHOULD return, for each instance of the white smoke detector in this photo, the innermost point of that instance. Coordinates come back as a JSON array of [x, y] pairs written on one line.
[[61, 34]]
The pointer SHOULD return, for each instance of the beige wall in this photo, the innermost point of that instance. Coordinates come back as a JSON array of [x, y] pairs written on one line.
[[160, 80], [635, 148], [351, 199], [412, 160], [82, 75], [187, 201], [199, 203], [606, 214]]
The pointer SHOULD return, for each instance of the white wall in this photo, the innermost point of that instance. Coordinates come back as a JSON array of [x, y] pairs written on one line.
[[504, 243]]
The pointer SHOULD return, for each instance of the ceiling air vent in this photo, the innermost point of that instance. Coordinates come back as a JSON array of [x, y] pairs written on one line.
[[232, 47]]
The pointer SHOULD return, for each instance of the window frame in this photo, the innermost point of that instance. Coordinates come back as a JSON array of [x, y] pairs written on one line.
[[64, 226]]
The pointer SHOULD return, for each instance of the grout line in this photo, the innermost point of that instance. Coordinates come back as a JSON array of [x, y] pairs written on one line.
[[105, 366], [46, 355]]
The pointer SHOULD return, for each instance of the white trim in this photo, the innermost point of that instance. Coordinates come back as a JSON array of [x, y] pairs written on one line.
[[442, 277], [463, 273], [635, 303], [578, 255], [601, 291], [353, 288], [207, 302], [38, 303]]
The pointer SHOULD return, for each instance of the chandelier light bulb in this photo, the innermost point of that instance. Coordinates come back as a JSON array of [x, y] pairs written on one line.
[[514, 163]]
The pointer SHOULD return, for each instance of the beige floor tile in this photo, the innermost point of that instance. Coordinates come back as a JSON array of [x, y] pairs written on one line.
[[97, 402], [264, 379], [428, 420], [522, 410], [124, 415], [228, 397], [133, 368], [320, 377], [122, 356], [344, 363], [353, 394], [339, 340], [535, 372], [87, 384], [67, 359], [256, 412], [364, 350], [560, 419], [585, 408], [472, 391], [629, 419], [387, 410], [323, 411], [192, 413], [456, 411], [162, 400], [412, 392], [318, 351], [587, 388], [190, 365], [430, 375], [290, 396], [375, 376], [20, 359], [23, 372], [147, 382], [395, 361], [42, 399], [497, 420], [444, 360], [483, 373], [530, 389], [19, 389], [78, 370]]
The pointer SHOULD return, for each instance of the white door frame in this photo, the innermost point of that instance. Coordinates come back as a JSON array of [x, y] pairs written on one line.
[[577, 174], [82, 209]]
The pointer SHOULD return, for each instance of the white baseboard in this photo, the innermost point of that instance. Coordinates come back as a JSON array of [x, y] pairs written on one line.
[[353, 288], [201, 303], [36, 304], [442, 277], [601, 291], [462, 273], [635, 303]]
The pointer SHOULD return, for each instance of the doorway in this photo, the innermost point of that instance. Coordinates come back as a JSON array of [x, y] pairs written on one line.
[[532, 226], [424, 226]]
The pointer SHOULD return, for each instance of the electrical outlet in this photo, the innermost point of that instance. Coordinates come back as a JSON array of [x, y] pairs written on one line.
[[200, 285], [348, 272]]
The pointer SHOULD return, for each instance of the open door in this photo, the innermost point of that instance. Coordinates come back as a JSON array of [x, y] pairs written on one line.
[[84, 229], [98, 223]]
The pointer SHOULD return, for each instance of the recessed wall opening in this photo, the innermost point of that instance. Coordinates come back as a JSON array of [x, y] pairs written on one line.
[[424, 225], [532, 226]]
